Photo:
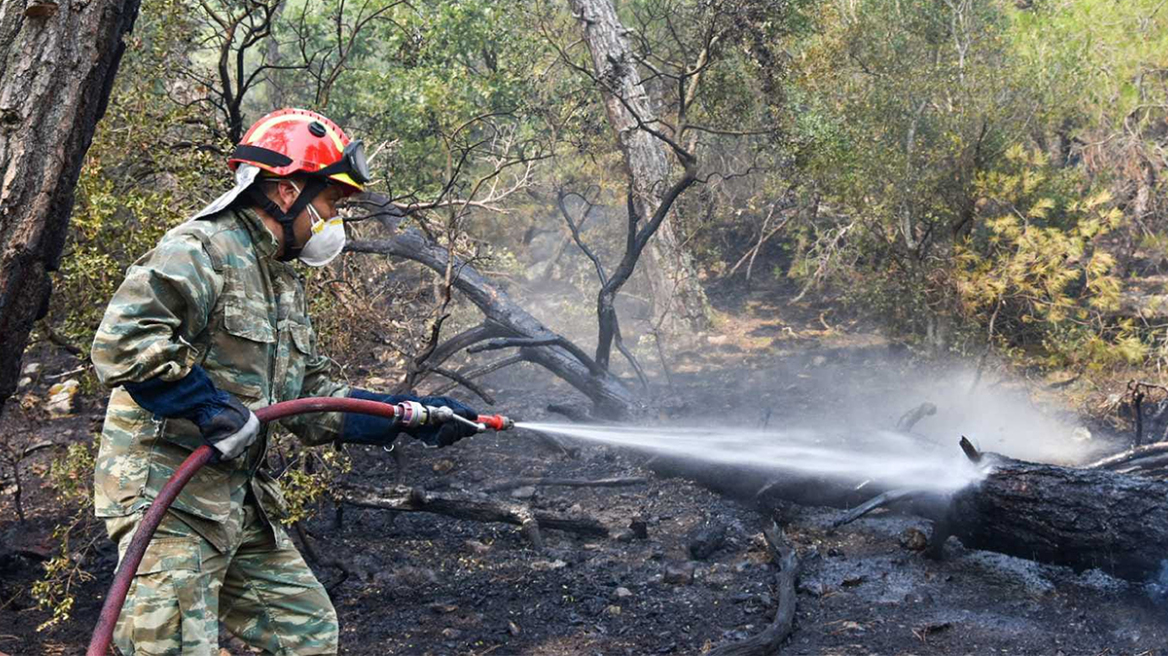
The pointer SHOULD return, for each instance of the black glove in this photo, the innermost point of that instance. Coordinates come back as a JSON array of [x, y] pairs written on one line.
[[225, 423], [449, 432], [231, 430], [370, 429]]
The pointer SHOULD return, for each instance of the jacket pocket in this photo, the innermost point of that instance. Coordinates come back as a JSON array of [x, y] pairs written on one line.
[[302, 337], [292, 358], [271, 496], [244, 391], [171, 554], [240, 356], [167, 606], [248, 323]]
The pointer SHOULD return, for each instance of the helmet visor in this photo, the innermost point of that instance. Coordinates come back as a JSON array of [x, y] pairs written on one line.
[[354, 156], [352, 163]]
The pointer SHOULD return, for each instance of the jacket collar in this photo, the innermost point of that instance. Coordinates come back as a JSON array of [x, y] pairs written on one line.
[[265, 242]]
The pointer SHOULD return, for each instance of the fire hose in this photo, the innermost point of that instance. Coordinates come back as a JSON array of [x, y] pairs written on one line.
[[405, 415]]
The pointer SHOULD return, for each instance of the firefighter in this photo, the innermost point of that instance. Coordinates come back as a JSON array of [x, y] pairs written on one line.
[[210, 324]]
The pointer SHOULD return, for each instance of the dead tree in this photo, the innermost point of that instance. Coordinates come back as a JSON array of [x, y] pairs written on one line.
[[677, 294], [58, 69], [506, 324]]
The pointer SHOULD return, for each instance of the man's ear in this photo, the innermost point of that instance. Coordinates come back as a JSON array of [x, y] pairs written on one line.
[[286, 194]]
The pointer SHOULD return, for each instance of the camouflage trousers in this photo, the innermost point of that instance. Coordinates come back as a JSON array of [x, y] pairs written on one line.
[[261, 590]]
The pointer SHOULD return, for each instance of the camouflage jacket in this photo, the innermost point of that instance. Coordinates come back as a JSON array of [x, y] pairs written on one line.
[[210, 293]]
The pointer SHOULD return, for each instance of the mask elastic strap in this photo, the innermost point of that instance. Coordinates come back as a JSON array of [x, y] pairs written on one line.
[[312, 189]]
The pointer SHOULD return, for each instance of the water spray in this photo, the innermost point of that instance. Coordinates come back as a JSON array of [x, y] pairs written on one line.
[[877, 456]]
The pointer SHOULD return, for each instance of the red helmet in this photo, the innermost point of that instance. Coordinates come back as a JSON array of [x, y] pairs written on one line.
[[289, 141]]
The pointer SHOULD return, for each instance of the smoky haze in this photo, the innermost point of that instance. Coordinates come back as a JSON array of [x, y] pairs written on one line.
[[835, 414]]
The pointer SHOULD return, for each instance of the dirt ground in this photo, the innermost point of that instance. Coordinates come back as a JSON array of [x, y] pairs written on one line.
[[427, 584]]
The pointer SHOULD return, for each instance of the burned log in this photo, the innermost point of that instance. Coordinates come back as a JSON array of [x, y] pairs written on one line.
[[1084, 518], [473, 507]]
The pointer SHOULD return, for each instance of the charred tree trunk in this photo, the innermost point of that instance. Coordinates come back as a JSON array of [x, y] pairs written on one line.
[[677, 295], [1078, 517], [58, 69], [1082, 518], [547, 349]]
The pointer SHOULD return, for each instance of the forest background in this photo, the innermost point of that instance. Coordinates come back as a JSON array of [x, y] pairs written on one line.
[[976, 179], [964, 171]]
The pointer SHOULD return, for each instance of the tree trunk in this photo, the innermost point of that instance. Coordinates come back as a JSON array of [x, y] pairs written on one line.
[[678, 297], [1082, 518], [59, 66]]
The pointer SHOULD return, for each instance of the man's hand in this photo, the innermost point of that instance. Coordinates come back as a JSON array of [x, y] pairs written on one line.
[[368, 429], [225, 423], [231, 430], [450, 432]]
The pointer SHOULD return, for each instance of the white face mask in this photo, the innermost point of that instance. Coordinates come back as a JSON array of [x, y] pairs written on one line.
[[326, 240]]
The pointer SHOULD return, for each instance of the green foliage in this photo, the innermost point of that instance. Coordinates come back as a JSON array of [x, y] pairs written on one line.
[[304, 485], [941, 136], [70, 476], [1036, 264], [1102, 60]]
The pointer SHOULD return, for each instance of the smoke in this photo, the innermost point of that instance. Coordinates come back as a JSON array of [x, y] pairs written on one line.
[[1003, 419], [862, 390]]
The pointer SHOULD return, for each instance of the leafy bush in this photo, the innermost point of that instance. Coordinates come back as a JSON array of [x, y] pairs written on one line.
[[1037, 264], [70, 476]]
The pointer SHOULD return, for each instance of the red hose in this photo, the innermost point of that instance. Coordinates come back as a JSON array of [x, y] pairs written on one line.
[[104, 632]]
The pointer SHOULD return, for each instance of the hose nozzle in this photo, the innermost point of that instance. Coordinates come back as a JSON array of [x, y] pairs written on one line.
[[441, 414], [496, 422], [411, 414]]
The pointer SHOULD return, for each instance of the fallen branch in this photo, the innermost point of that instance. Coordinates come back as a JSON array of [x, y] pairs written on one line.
[[910, 418], [878, 501], [465, 382], [566, 482], [1145, 465], [1119, 459], [39, 446], [60, 340], [471, 506], [768, 641], [479, 372], [315, 557], [763, 236]]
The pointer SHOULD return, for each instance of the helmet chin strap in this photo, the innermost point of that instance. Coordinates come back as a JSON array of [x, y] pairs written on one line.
[[312, 189]]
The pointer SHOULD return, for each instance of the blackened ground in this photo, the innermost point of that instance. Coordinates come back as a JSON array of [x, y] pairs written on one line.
[[426, 584]]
